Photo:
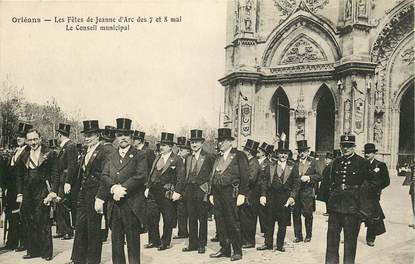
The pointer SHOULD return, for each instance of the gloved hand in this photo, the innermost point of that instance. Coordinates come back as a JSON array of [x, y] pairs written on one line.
[[289, 202], [99, 206], [19, 198], [263, 200], [240, 200], [211, 199], [66, 188], [118, 192], [146, 192], [305, 178], [176, 196]]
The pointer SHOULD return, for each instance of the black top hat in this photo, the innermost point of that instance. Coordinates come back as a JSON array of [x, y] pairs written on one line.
[[251, 145], [167, 138], [282, 147], [263, 147], [138, 134], [347, 139], [370, 148], [146, 144], [90, 126], [269, 149], [53, 143], [225, 133], [123, 125], [302, 145], [196, 134], [337, 153], [181, 141], [23, 128], [329, 155], [64, 129], [108, 133], [186, 145]]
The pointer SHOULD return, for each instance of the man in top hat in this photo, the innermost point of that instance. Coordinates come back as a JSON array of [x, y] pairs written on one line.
[[324, 190], [67, 159], [279, 188], [265, 151], [182, 216], [377, 181], [107, 141], [305, 200], [248, 212], [37, 186], [16, 236], [140, 144], [347, 175], [87, 244], [229, 189], [163, 190], [195, 188], [123, 181]]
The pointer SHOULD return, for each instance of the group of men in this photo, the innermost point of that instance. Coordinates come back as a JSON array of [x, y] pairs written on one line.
[[117, 182]]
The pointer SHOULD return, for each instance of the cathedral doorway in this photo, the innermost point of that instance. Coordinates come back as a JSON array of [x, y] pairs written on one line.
[[325, 107], [281, 108]]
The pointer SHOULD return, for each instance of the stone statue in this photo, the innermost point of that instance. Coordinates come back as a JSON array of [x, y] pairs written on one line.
[[377, 131], [361, 8], [348, 10]]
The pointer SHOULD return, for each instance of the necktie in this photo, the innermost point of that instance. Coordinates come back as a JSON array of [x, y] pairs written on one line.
[[280, 170], [194, 162], [160, 163]]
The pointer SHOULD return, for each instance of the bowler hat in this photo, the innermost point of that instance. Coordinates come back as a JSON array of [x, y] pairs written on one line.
[[347, 140], [251, 145], [225, 133], [108, 133], [139, 134], [196, 134], [123, 125], [167, 138], [302, 145], [90, 126], [64, 129], [370, 148], [23, 128]]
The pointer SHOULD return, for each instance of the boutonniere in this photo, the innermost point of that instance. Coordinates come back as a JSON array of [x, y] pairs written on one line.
[[173, 167], [45, 156], [95, 154], [376, 169], [131, 156]]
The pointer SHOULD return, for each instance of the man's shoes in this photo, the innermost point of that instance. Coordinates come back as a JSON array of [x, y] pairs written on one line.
[[58, 236], [180, 237], [7, 247], [220, 254], [297, 240], [19, 249], [187, 249], [28, 256], [235, 257], [282, 249], [151, 245], [209, 219], [47, 258], [248, 246], [201, 250], [370, 243], [215, 239], [264, 247], [163, 247], [307, 239], [66, 237]]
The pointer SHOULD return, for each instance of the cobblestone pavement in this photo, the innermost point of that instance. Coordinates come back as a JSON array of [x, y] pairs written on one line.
[[397, 246]]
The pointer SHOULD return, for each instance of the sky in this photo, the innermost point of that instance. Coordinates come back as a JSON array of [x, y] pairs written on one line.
[[155, 73]]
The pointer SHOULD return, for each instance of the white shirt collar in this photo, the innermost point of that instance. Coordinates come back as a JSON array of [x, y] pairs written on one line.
[[197, 154], [93, 147], [123, 151], [166, 156], [226, 153], [140, 147], [261, 160], [282, 164], [63, 142]]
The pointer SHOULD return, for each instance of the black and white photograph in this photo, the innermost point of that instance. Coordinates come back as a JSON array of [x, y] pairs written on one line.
[[207, 131]]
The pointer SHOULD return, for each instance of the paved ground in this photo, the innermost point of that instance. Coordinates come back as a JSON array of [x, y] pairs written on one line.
[[397, 246]]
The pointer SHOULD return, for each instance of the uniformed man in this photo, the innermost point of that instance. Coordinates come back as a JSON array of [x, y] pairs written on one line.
[[412, 192], [123, 180], [196, 186], [348, 174], [67, 159], [264, 158], [378, 180], [167, 171], [229, 189], [249, 211], [182, 216], [279, 188], [37, 187], [16, 236], [305, 200], [87, 244]]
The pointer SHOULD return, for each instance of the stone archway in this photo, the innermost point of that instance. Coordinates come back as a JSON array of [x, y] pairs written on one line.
[[280, 105], [324, 105], [406, 148]]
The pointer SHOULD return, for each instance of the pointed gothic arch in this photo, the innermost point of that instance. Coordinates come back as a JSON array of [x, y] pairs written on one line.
[[280, 106]]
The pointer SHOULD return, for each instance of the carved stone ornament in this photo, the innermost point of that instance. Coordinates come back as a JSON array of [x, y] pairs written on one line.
[[302, 51], [288, 6], [408, 55]]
